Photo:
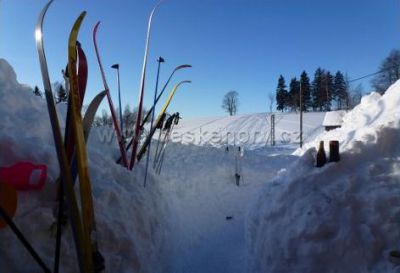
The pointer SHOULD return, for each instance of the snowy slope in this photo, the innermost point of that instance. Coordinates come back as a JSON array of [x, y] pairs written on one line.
[[343, 217], [252, 131]]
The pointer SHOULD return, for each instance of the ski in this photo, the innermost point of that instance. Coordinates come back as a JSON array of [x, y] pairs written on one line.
[[149, 113], [82, 77], [138, 128], [91, 113], [158, 120], [94, 260], [117, 129], [87, 125], [70, 148], [66, 181]]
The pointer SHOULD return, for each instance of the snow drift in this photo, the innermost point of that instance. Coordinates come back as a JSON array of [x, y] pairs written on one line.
[[343, 217], [131, 220]]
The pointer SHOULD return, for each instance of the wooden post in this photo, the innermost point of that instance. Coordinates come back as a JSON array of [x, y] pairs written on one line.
[[301, 116], [272, 130]]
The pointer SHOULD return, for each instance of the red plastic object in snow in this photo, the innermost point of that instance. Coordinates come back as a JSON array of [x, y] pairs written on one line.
[[24, 176]]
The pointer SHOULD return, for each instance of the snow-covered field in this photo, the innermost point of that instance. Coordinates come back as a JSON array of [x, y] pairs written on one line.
[[285, 216], [251, 131]]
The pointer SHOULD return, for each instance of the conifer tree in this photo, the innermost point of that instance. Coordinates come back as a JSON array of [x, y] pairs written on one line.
[[281, 94], [328, 88], [294, 94], [37, 92], [305, 91], [340, 88], [318, 91], [61, 94]]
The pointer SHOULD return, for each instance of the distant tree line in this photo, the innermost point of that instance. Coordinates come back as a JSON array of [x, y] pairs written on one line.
[[105, 119], [324, 93], [128, 118], [60, 93], [332, 92]]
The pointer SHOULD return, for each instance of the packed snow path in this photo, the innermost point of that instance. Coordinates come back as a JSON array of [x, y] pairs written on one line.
[[209, 210], [203, 193]]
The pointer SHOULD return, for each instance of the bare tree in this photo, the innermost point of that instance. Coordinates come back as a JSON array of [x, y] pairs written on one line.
[[389, 72], [128, 118], [271, 101], [103, 120], [230, 103]]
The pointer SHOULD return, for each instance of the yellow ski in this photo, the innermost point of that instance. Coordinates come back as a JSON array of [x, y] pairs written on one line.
[[93, 258]]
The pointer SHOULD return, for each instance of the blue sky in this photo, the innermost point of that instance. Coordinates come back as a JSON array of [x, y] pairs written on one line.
[[241, 45]]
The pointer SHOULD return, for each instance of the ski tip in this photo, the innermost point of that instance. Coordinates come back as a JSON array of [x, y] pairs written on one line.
[[183, 66], [83, 14], [158, 4], [46, 7], [78, 21], [96, 26], [39, 24]]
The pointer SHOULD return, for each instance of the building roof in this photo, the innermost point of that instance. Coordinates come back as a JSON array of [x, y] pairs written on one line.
[[333, 118]]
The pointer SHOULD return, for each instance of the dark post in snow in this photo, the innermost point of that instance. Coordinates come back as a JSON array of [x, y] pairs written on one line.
[[301, 116], [272, 130], [334, 155], [116, 66]]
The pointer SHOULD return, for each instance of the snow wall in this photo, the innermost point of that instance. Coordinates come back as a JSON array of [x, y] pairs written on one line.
[[343, 217], [131, 223]]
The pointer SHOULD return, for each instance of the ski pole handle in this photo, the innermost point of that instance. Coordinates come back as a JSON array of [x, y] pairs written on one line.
[[24, 176]]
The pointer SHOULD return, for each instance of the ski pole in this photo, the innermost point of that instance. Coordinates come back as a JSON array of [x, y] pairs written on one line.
[[175, 120], [23, 240], [116, 66], [156, 152], [160, 141], [159, 60]]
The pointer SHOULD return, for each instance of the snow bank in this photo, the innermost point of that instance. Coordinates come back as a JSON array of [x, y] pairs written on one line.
[[343, 217], [364, 121], [131, 221]]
